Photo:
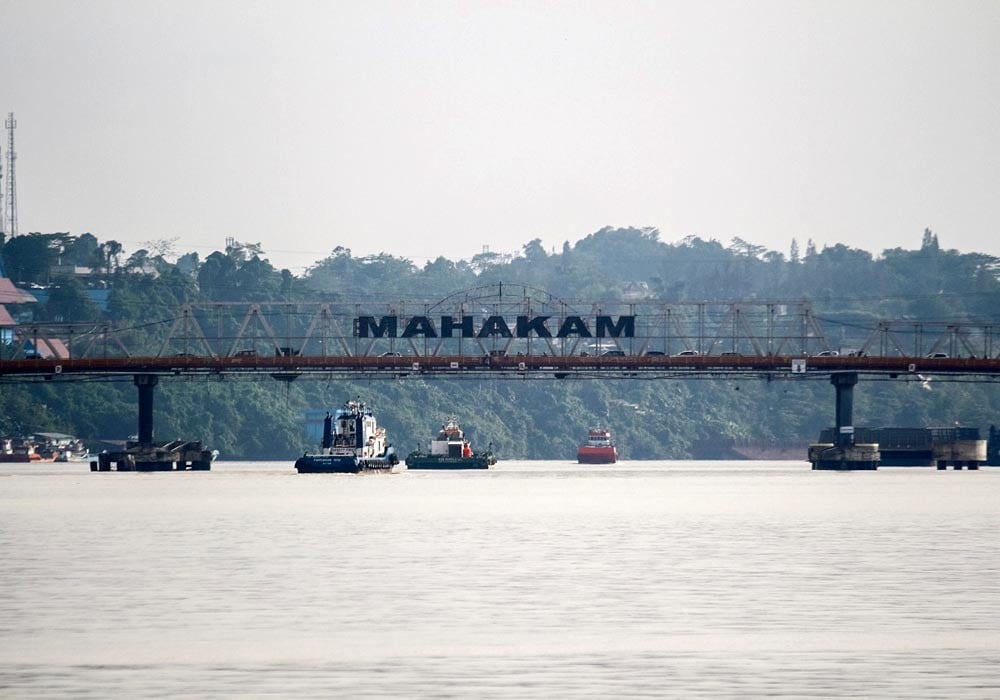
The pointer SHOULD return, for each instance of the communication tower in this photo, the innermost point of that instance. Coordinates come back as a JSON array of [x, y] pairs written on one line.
[[3, 218], [10, 200]]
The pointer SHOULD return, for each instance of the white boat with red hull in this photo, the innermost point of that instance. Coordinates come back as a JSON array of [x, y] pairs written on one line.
[[599, 448]]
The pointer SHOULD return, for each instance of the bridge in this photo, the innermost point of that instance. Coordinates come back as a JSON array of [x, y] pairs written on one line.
[[288, 368], [508, 331]]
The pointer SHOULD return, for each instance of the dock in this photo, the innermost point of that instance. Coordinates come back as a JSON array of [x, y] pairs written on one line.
[[922, 447]]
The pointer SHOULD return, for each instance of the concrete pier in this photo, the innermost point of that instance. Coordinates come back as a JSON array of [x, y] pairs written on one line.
[[144, 455], [145, 383], [844, 454]]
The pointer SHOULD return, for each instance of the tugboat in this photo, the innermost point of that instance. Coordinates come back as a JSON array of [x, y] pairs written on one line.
[[451, 450], [598, 449], [352, 443]]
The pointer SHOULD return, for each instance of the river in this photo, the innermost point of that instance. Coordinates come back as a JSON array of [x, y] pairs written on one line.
[[531, 580]]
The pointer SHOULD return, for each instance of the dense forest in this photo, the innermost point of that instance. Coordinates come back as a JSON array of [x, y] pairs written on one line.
[[529, 419]]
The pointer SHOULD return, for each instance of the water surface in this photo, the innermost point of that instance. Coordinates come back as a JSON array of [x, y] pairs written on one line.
[[535, 579]]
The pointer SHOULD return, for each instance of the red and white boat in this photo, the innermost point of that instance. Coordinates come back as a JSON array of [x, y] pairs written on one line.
[[598, 449]]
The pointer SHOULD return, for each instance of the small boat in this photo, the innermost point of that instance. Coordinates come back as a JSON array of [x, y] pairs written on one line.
[[352, 443], [21, 449], [71, 449], [41, 447], [451, 450], [599, 449]]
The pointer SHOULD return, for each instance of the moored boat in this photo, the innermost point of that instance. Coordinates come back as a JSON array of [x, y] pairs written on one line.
[[19, 449], [450, 450], [352, 443], [41, 447], [599, 449]]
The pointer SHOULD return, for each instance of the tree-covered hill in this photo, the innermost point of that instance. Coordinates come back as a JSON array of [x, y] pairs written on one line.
[[539, 419]]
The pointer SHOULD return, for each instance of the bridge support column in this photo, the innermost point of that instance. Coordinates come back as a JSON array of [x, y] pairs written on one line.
[[145, 383], [844, 383], [844, 454]]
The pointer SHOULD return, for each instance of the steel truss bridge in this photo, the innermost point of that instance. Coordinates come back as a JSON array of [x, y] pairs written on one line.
[[503, 331]]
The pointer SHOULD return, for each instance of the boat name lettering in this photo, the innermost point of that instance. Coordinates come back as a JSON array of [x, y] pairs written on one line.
[[464, 327]]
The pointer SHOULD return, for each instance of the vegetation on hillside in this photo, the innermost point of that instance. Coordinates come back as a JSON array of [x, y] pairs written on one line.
[[538, 419]]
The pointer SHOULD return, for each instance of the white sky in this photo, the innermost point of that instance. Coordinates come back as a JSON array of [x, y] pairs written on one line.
[[437, 128]]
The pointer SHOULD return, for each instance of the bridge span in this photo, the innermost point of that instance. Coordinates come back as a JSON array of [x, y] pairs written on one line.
[[288, 368]]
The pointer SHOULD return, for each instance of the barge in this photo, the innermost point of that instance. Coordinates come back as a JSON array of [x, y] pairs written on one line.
[[451, 450]]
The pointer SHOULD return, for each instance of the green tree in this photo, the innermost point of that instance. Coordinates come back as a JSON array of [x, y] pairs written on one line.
[[112, 252], [84, 250], [28, 257], [930, 241], [217, 277], [68, 302], [137, 261]]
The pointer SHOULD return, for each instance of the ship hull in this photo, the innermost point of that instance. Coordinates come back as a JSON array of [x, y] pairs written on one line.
[[26, 459], [336, 464], [426, 461], [597, 455]]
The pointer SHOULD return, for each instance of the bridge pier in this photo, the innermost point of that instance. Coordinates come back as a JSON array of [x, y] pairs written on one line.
[[844, 454], [145, 383], [844, 383], [144, 455]]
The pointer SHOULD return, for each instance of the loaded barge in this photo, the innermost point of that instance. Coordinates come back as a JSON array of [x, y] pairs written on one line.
[[352, 443], [451, 450]]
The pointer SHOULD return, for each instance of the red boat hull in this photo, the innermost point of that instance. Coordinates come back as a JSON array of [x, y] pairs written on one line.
[[597, 455]]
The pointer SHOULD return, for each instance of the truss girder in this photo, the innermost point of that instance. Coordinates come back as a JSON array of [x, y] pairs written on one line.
[[756, 328]]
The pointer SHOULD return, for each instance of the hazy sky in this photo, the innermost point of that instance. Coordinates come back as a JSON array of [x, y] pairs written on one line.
[[437, 128]]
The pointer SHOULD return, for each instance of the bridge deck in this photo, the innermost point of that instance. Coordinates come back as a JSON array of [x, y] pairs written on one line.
[[394, 366]]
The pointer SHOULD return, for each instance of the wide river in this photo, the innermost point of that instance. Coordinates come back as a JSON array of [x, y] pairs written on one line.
[[532, 580]]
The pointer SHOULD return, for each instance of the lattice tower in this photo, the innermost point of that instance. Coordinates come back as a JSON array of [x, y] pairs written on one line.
[[10, 200], [3, 217]]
